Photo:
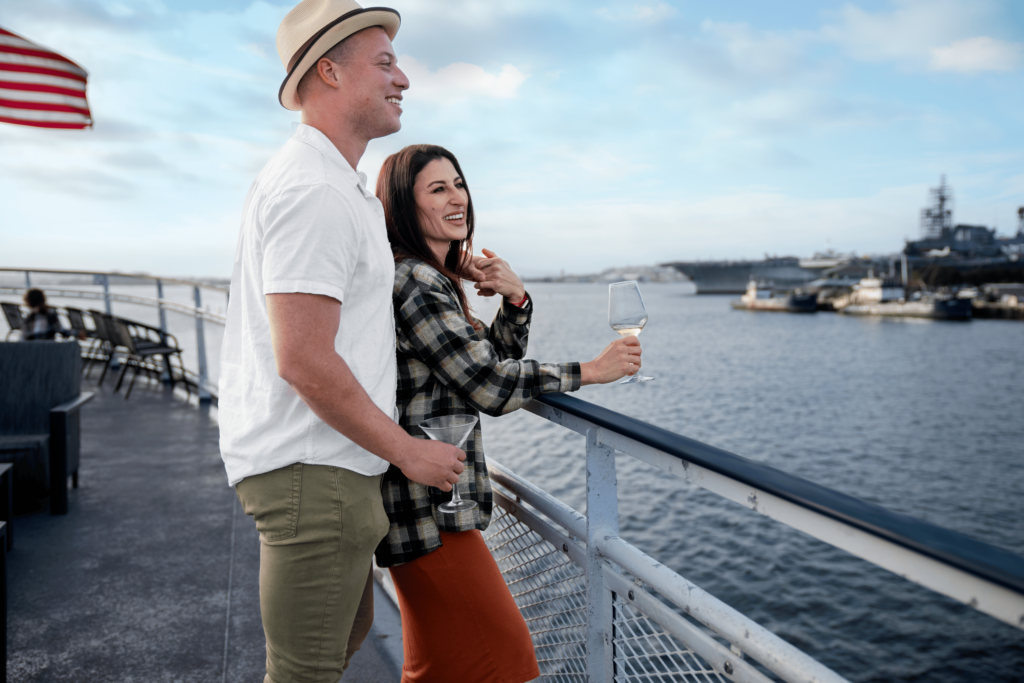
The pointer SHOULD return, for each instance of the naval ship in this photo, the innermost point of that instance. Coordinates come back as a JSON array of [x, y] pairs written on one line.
[[782, 272]]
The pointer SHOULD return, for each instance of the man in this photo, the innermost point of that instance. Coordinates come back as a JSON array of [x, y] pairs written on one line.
[[308, 374]]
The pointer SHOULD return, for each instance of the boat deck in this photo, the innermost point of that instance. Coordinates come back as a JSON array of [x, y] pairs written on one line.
[[153, 573]]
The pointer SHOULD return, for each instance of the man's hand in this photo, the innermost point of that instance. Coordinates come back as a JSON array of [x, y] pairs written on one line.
[[433, 463]]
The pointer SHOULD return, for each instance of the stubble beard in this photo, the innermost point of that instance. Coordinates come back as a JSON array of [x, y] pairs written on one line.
[[372, 124]]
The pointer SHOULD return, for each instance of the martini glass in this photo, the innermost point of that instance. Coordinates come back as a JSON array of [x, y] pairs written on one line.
[[453, 429], [627, 316]]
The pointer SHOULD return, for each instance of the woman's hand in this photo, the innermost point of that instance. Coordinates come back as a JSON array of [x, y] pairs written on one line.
[[620, 358], [494, 276]]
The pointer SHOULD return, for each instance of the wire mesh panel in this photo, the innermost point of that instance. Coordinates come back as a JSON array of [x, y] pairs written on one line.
[[550, 591], [644, 652]]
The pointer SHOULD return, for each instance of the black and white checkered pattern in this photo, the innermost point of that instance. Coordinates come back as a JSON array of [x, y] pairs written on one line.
[[446, 367]]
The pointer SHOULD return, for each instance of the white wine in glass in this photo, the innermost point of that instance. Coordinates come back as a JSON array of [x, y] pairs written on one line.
[[453, 429], [627, 315]]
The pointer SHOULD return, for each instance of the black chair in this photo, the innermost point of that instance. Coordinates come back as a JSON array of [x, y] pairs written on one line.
[[92, 342], [141, 359], [13, 314], [106, 346]]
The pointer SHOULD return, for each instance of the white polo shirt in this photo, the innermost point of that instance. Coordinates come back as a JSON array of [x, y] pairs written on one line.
[[309, 225]]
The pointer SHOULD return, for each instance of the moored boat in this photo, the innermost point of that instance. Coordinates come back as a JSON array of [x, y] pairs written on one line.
[[876, 297], [932, 308], [762, 297]]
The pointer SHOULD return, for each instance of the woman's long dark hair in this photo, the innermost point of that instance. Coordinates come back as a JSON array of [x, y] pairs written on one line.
[[395, 191]]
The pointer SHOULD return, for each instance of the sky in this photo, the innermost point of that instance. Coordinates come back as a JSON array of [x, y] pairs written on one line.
[[592, 134]]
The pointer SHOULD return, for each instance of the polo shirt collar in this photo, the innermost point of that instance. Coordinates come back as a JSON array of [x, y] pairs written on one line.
[[316, 139]]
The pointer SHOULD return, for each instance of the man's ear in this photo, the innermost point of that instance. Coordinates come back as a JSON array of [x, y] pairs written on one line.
[[329, 72]]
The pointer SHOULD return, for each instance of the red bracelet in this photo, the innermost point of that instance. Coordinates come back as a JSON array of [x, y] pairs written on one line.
[[523, 301]]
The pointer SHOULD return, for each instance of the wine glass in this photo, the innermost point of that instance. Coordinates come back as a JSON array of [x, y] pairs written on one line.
[[627, 315], [453, 429]]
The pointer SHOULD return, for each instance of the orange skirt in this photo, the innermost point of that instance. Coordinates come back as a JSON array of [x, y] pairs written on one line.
[[459, 621]]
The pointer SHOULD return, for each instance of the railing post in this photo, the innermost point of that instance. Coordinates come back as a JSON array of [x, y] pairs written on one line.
[[160, 306], [106, 293], [602, 522], [28, 281], [165, 376], [204, 395], [115, 361]]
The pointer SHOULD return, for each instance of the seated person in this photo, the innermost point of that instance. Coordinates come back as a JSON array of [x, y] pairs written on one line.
[[42, 323]]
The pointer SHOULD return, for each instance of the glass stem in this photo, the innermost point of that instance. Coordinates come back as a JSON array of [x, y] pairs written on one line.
[[456, 498]]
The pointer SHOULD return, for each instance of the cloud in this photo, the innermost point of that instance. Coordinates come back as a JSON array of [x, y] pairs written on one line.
[[737, 53], [653, 14], [460, 81], [907, 34], [977, 54]]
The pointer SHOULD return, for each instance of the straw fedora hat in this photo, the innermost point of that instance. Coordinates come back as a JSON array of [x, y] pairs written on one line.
[[315, 26]]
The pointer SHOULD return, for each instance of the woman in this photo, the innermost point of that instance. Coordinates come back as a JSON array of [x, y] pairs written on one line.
[[459, 621], [42, 323]]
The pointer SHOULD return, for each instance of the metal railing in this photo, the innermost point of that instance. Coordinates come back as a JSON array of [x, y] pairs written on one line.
[[591, 599], [172, 305], [598, 608]]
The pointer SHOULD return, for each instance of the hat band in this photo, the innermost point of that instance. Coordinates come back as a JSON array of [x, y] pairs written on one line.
[[300, 54]]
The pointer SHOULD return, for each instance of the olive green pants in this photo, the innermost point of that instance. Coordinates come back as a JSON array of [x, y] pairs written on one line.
[[319, 526]]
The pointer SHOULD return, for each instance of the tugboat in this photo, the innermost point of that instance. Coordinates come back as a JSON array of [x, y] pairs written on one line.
[[762, 297]]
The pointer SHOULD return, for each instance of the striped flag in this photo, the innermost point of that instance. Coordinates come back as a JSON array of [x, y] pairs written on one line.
[[39, 87]]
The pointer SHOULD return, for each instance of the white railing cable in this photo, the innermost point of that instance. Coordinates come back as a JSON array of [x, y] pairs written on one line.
[[569, 519], [106, 273], [165, 304]]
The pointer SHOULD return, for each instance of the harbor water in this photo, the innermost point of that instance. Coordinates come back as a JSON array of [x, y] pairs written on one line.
[[922, 417]]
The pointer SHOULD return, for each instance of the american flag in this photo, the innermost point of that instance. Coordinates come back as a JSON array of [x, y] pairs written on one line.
[[39, 87]]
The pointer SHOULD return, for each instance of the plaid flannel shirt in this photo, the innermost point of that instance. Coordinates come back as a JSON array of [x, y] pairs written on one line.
[[447, 367]]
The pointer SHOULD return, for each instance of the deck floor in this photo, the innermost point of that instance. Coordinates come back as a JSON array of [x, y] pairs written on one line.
[[152, 575]]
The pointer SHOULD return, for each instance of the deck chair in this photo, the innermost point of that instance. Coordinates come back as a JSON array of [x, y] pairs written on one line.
[[141, 359], [87, 338], [13, 314], [108, 342]]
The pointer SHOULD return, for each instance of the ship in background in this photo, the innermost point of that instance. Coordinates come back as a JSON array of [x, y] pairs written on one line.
[[964, 248], [961, 246], [782, 272]]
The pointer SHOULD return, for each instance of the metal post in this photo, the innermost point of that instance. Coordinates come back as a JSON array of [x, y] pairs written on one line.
[[160, 305], [115, 361], [28, 281], [204, 395], [165, 376], [106, 293], [602, 522]]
